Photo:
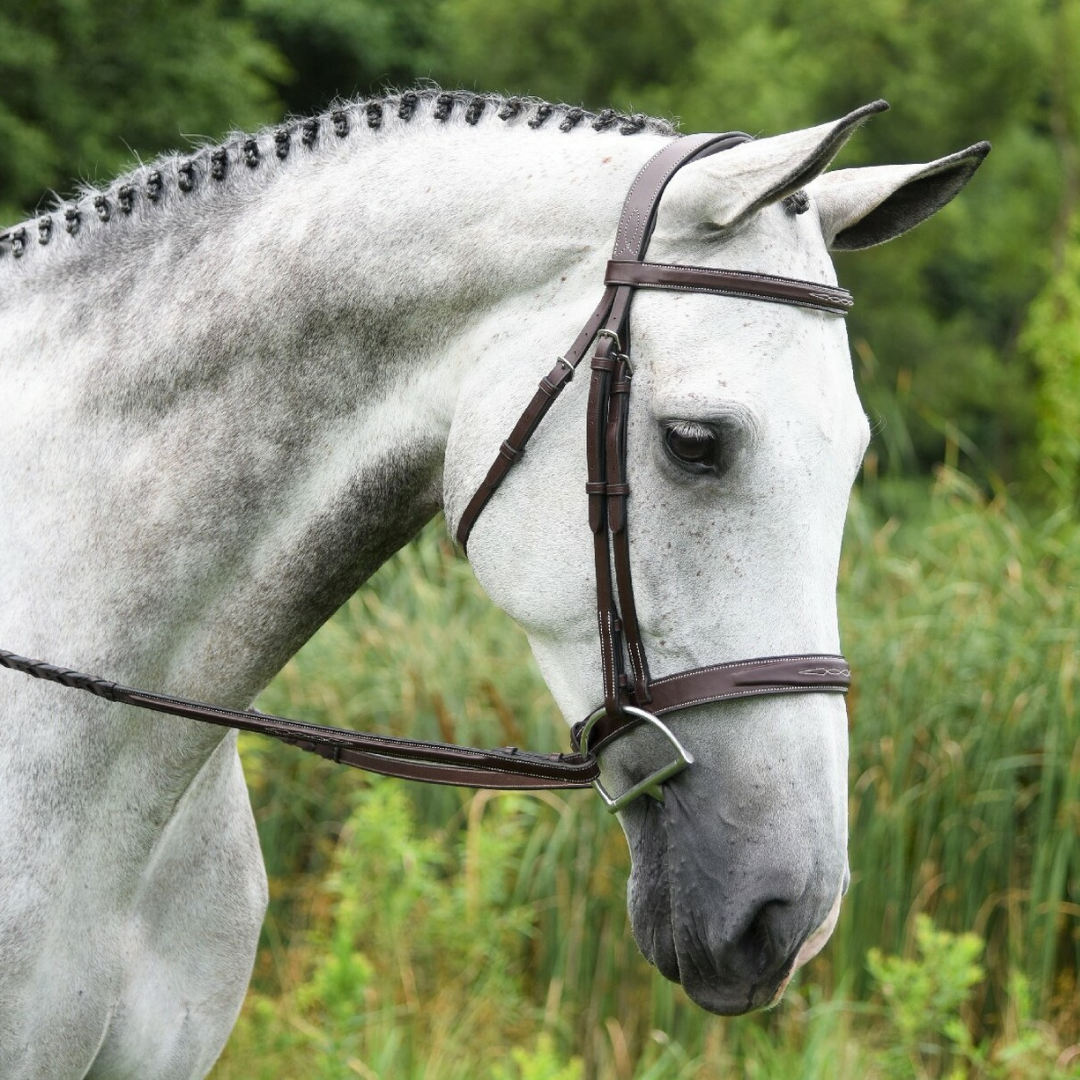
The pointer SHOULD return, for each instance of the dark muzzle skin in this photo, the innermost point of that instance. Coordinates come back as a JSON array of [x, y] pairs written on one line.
[[721, 899]]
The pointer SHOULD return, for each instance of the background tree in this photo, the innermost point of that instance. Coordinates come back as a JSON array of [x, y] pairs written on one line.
[[84, 83]]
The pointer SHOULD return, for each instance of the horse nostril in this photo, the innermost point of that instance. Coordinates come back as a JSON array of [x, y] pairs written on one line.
[[761, 946]]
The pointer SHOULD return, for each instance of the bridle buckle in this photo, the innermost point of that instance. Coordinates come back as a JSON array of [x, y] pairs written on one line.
[[652, 784], [614, 338]]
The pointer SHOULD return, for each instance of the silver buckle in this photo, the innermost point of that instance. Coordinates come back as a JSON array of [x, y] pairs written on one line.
[[614, 337], [651, 784]]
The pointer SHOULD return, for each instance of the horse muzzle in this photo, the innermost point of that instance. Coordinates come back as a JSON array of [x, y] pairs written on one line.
[[725, 913]]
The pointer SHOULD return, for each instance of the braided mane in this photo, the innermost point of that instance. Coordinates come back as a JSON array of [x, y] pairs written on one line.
[[243, 154]]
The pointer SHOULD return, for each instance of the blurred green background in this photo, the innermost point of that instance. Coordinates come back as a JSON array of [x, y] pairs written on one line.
[[443, 934]]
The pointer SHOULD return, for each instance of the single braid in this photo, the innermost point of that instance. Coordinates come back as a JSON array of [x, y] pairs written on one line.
[[444, 106], [185, 177], [219, 163], [475, 110], [543, 111], [76, 680], [798, 202], [605, 118], [510, 108], [571, 120]]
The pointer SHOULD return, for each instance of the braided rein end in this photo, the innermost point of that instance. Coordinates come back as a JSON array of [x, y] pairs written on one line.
[[76, 680]]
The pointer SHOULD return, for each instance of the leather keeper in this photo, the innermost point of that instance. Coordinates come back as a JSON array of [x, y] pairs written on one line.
[[553, 382]]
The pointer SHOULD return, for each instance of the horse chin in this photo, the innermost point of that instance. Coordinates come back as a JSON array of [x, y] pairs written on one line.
[[733, 948]]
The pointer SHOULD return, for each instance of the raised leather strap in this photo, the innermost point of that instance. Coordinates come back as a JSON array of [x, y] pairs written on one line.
[[409, 759], [603, 366], [814, 672], [741, 283], [618, 492], [643, 199], [551, 386]]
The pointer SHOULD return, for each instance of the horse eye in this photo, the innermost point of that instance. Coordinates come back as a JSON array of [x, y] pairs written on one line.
[[693, 446]]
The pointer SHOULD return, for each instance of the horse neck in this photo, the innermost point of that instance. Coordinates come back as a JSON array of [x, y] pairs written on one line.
[[233, 410]]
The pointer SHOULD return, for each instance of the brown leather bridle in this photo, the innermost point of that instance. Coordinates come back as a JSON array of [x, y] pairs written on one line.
[[631, 695]]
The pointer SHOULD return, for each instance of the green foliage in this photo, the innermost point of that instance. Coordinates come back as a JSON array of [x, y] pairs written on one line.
[[417, 964], [540, 1064], [345, 47], [924, 1034], [84, 81], [963, 626], [923, 997], [962, 620], [1052, 340]]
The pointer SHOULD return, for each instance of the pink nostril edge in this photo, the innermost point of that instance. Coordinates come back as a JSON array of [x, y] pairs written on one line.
[[816, 941], [811, 946]]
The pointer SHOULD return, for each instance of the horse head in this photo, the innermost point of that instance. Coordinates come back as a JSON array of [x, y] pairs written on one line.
[[744, 436]]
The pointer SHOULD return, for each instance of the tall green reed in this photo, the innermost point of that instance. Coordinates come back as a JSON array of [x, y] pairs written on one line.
[[963, 628], [961, 621]]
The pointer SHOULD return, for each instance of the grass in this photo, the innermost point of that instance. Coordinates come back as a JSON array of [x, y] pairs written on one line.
[[437, 933]]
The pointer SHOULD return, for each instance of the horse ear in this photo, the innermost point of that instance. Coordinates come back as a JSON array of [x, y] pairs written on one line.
[[859, 208], [727, 188]]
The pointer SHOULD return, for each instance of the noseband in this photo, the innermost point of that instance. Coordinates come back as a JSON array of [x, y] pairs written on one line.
[[631, 695]]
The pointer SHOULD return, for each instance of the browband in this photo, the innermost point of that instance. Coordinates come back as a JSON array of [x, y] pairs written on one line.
[[741, 283]]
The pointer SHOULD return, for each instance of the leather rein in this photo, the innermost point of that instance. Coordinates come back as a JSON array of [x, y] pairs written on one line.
[[631, 695]]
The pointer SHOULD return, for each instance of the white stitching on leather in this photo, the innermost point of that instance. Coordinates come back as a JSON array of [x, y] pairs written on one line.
[[747, 664]]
